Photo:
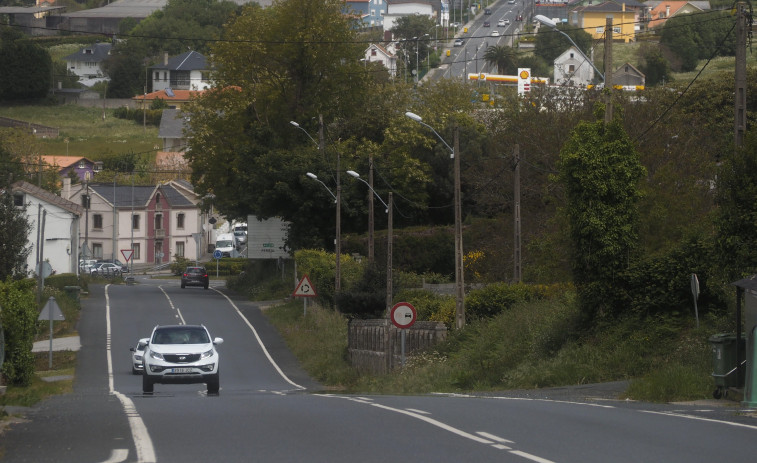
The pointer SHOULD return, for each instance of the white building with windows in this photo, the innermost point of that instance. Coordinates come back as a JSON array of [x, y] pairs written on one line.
[[57, 242], [572, 69]]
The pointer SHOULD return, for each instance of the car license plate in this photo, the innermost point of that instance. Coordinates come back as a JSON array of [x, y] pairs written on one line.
[[181, 370]]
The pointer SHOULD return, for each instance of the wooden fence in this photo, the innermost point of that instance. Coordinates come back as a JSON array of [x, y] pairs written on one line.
[[375, 346]]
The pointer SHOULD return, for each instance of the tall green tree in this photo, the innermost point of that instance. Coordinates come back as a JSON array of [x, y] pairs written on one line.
[[692, 37], [415, 35], [14, 226], [600, 172], [26, 70], [737, 211], [550, 44]]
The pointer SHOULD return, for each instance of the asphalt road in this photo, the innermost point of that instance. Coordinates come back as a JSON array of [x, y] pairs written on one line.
[[268, 410]]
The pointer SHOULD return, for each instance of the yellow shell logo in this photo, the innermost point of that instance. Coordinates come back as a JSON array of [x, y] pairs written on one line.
[[524, 74]]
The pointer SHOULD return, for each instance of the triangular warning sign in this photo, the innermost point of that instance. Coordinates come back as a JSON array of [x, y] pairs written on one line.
[[51, 310], [304, 288]]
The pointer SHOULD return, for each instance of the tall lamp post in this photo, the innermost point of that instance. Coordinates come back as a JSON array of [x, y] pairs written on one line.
[[389, 240], [459, 291], [338, 200]]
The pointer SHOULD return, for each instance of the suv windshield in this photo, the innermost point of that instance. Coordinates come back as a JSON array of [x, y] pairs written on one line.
[[180, 335]]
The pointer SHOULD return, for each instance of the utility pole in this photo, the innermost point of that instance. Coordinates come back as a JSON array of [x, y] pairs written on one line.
[[459, 284], [608, 70], [740, 103], [516, 217], [370, 209], [389, 242]]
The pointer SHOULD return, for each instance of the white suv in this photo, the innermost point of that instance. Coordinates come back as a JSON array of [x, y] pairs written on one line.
[[181, 354]]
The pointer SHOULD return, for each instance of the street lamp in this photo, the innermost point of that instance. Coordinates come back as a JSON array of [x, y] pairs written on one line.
[[389, 240], [460, 293], [315, 177], [552, 25], [417, 73], [338, 201]]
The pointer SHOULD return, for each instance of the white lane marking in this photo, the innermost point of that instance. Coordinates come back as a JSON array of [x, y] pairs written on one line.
[[530, 457], [422, 412], [139, 434], [431, 421], [260, 341], [700, 418], [170, 302], [117, 456], [494, 438], [501, 447]]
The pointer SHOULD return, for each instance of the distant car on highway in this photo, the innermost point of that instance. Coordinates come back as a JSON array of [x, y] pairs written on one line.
[[501, 23], [495, 33], [195, 276], [487, 24], [458, 42]]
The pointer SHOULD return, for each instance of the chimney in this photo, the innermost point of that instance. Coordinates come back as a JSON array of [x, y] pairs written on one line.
[[66, 191], [667, 11], [165, 57], [623, 9]]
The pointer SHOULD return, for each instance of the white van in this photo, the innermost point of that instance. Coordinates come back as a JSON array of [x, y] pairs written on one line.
[[227, 244]]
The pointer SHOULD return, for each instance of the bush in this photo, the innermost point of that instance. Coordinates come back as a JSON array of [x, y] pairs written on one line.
[[430, 306], [19, 318], [179, 264], [264, 279], [61, 280], [150, 116], [320, 267], [495, 298]]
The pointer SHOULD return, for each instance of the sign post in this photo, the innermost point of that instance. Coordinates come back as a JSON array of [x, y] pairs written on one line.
[[695, 293], [304, 289], [51, 311], [403, 316], [217, 254]]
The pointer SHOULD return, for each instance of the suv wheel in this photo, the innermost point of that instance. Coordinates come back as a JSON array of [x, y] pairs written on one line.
[[147, 384], [214, 383], [183, 286]]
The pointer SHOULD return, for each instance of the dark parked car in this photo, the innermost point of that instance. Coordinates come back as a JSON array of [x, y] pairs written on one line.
[[194, 276]]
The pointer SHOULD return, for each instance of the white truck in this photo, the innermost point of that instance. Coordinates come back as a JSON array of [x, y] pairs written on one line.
[[227, 244]]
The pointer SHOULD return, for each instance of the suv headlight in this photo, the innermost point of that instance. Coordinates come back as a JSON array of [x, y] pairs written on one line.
[[207, 354], [156, 355]]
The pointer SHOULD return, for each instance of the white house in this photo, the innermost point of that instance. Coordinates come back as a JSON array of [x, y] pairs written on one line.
[[572, 69], [57, 242], [187, 71], [378, 53], [87, 62]]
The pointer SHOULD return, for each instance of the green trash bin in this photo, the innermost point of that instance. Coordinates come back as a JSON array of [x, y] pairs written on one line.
[[724, 362], [72, 292]]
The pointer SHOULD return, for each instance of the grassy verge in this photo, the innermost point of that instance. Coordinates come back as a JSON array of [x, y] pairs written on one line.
[[64, 363], [532, 345]]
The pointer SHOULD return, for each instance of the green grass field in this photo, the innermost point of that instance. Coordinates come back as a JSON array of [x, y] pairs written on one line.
[[85, 132]]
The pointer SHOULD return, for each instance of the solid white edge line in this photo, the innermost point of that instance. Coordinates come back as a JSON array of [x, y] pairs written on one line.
[[700, 418], [260, 341], [139, 434]]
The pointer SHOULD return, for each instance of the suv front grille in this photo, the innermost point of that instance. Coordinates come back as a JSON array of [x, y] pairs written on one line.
[[181, 358]]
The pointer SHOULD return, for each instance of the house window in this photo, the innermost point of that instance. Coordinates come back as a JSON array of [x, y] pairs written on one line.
[[165, 75], [157, 198], [97, 250], [180, 249], [373, 52], [600, 30], [571, 68], [158, 221], [135, 255], [180, 221], [616, 29], [135, 222], [98, 222], [205, 76], [82, 165], [18, 200]]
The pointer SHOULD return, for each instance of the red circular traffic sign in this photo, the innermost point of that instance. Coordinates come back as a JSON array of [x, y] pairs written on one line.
[[403, 315]]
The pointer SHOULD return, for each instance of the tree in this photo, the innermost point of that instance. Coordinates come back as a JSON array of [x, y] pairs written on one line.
[[550, 44], [26, 70], [414, 34], [735, 220], [600, 171], [654, 66], [692, 37], [14, 228], [503, 57]]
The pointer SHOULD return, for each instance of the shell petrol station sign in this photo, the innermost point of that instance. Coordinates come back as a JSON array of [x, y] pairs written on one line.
[[524, 81]]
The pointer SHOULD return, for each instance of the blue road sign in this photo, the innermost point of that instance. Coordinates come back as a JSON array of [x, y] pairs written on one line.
[[217, 254]]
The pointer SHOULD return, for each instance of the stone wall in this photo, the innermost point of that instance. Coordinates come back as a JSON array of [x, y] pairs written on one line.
[[375, 346]]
